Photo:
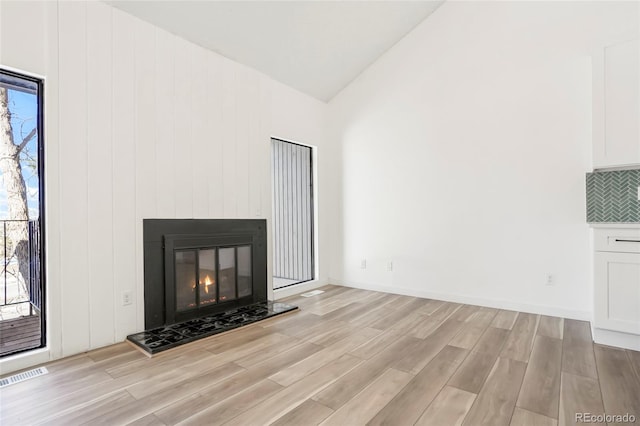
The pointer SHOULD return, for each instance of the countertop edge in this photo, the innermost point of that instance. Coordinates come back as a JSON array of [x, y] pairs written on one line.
[[614, 225]]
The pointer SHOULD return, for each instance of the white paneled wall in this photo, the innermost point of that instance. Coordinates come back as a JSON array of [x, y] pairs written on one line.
[[75, 276], [100, 174], [139, 124]]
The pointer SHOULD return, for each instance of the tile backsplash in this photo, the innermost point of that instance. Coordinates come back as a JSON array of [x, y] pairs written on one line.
[[613, 196]]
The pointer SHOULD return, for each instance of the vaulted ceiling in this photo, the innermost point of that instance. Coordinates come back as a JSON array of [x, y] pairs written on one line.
[[317, 47]]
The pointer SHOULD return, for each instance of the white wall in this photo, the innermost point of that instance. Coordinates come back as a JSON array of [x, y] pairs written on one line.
[[139, 124], [464, 150]]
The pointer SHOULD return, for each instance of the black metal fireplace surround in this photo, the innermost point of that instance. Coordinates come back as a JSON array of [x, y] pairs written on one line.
[[202, 277]]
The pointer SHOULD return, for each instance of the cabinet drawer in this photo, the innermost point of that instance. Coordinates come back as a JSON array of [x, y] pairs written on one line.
[[622, 240]]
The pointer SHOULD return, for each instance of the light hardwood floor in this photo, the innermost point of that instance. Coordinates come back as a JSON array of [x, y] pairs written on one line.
[[347, 357]]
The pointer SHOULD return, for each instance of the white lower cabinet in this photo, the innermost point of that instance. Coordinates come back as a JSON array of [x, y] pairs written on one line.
[[617, 297], [617, 283]]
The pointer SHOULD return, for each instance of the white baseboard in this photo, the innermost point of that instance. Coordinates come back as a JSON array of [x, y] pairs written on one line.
[[281, 293], [616, 339], [555, 311], [23, 360]]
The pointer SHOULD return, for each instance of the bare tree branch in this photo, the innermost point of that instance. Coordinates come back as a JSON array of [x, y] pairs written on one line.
[[26, 140]]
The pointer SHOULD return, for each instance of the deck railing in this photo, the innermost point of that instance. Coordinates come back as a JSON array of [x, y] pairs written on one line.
[[11, 263]]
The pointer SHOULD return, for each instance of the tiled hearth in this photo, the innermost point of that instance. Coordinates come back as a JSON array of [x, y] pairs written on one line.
[[163, 338]]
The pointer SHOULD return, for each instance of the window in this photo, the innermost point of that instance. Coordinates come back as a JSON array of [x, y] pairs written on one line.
[[21, 222]]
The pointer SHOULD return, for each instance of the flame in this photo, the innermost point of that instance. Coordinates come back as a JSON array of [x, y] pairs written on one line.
[[207, 282]]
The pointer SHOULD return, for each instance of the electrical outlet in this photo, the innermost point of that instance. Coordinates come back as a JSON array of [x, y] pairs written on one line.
[[363, 264], [390, 266], [551, 280], [127, 298]]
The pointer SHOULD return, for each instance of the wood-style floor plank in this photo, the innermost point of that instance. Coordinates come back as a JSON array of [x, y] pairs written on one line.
[[95, 410], [375, 345], [577, 349], [150, 420], [178, 391], [218, 410], [408, 322], [465, 312], [361, 408], [409, 404], [431, 306], [307, 413], [446, 310], [237, 384], [345, 388], [290, 397], [468, 335], [449, 408], [551, 327], [520, 341], [414, 360], [474, 371], [347, 356], [497, 399], [540, 391], [505, 319], [492, 341], [423, 328], [634, 359], [618, 382], [310, 364], [527, 418], [578, 394]]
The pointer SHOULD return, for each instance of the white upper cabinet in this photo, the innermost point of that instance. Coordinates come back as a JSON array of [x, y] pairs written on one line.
[[616, 105]]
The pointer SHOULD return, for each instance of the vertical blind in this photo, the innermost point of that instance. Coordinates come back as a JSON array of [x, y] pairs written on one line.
[[293, 211]]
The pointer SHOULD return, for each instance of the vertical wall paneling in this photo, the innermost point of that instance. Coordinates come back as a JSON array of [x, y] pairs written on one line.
[[184, 173], [254, 149], [214, 140], [53, 293], [145, 136], [228, 132], [122, 99], [201, 162], [100, 203], [124, 176], [243, 123], [29, 54], [292, 201], [73, 183], [264, 151], [165, 106]]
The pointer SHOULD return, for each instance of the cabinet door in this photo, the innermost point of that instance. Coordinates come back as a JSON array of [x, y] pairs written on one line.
[[616, 105], [617, 291]]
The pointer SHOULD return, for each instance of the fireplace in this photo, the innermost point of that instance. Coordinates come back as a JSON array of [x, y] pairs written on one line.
[[199, 267]]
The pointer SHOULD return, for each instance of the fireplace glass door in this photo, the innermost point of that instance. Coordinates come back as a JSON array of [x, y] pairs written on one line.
[[211, 275], [207, 276]]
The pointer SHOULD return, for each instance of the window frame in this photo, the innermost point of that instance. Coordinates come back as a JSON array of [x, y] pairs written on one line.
[[40, 120]]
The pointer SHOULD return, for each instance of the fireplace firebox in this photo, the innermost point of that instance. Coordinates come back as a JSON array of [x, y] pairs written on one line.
[[199, 267]]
